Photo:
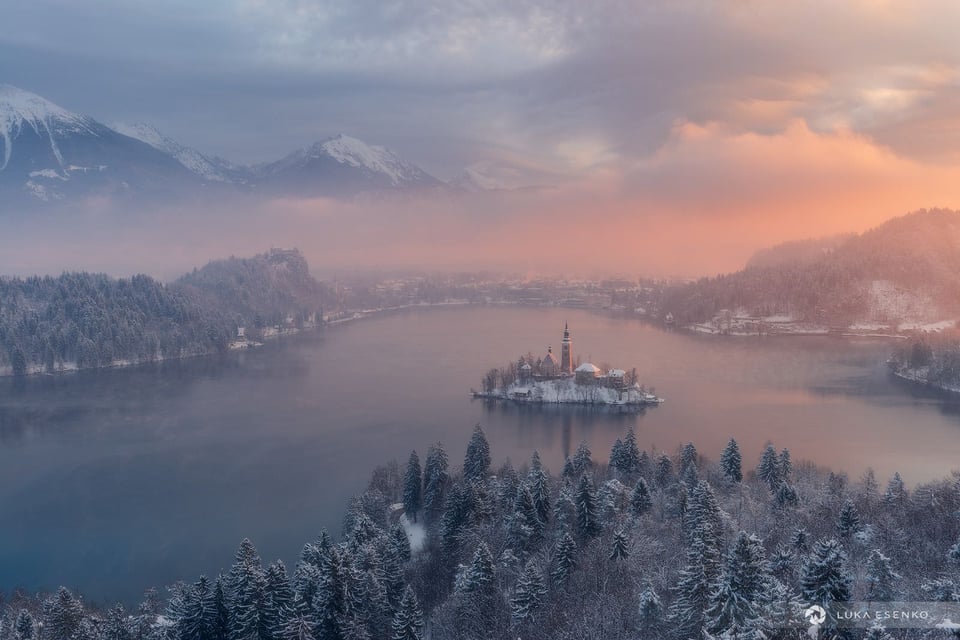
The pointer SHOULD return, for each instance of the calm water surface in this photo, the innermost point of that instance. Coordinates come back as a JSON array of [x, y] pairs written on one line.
[[117, 480]]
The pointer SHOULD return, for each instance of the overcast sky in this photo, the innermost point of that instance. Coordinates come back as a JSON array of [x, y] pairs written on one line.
[[800, 111]]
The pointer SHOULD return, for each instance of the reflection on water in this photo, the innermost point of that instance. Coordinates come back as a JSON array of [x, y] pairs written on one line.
[[116, 480]]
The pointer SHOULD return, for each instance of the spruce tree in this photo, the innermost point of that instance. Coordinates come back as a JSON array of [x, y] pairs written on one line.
[[617, 460], [582, 460], [784, 464], [62, 614], [24, 626], [278, 600], [528, 594], [408, 621], [116, 627], [896, 492], [640, 500], [476, 463], [881, 578], [246, 595], [848, 522], [588, 515], [824, 578], [435, 480], [800, 540], [688, 456], [769, 468], [649, 613], [412, 486], [664, 471], [199, 619], [693, 590], [539, 485], [221, 628], [479, 576], [334, 600], [736, 607], [564, 558], [525, 528], [731, 462], [400, 542], [619, 550], [631, 454]]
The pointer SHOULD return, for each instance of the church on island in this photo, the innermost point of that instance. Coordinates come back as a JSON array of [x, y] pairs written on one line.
[[562, 380]]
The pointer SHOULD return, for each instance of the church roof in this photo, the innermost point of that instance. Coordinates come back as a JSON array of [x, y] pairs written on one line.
[[588, 367], [551, 358]]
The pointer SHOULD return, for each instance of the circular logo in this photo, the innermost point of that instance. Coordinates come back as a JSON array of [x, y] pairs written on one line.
[[815, 614]]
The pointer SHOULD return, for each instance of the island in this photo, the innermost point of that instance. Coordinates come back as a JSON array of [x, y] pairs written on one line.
[[549, 380]]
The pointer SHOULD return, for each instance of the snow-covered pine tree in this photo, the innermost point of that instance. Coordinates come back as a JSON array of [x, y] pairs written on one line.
[[644, 464], [848, 522], [617, 460], [769, 468], [640, 499], [334, 600], [221, 629], [703, 517], [582, 460], [435, 480], [695, 586], [785, 464], [731, 462], [736, 607], [525, 528], [800, 540], [619, 551], [300, 625], [896, 492], [588, 515], [691, 476], [664, 471], [199, 618], [278, 600], [24, 626], [115, 625], [479, 576], [408, 621], [400, 542], [246, 584], [631, 453], [564, 558], [476, 462], [825, 578], [688, 456], [539, 485], [62, 615], [412, 483], [649, 613], [528, 594], [565, 509], [881, 578], [786, 496]]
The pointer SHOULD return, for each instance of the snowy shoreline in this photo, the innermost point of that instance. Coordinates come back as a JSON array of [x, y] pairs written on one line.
[[567, 391]]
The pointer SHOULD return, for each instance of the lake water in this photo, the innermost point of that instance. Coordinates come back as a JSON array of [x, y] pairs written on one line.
[[113, 481]]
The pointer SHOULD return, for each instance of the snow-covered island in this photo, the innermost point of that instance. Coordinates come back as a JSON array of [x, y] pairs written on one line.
[[549, 380]]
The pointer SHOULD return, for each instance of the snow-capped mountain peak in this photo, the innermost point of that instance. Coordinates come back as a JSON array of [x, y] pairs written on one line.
[[21, 109], [192, 159], [357, 153]]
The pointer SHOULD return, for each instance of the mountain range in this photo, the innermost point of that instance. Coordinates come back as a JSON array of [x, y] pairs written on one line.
[[49, 155]]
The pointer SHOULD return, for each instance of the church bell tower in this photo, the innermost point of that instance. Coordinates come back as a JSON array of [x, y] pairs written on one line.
[[566, 351]]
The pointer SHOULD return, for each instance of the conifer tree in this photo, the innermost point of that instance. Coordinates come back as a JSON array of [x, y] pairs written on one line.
[[526, 529], [588, 516], [400, 542], [731, 462], [278, 600], [479, 576], [631, 453], [736, 607], [848, 522], [693, 590], [539, 485], [408, 621], [881, 578], [199, 619], [769, 468], [476, 463], [435, 480], [688, 456], [786, 496], [650, 613], [24, 626], [528, 594], [644, 464], [784, 464], [62, 614], [896, 492], [664, 471], [617, 460], [334, 600], [824, 577], [564, 558], [800, 540], [619, 550], [411, 487], [221, 628], [640, 500], [582, 460], [246, 595], [116, 627]]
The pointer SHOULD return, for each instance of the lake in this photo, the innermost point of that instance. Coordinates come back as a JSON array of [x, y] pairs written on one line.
[[113, 481]]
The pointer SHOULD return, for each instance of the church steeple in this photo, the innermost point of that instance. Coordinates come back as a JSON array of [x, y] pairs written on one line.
[[566, 351]]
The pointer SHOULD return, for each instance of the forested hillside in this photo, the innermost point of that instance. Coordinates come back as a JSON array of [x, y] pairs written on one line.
[[905, 269], [650, 546], [83, 320]]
